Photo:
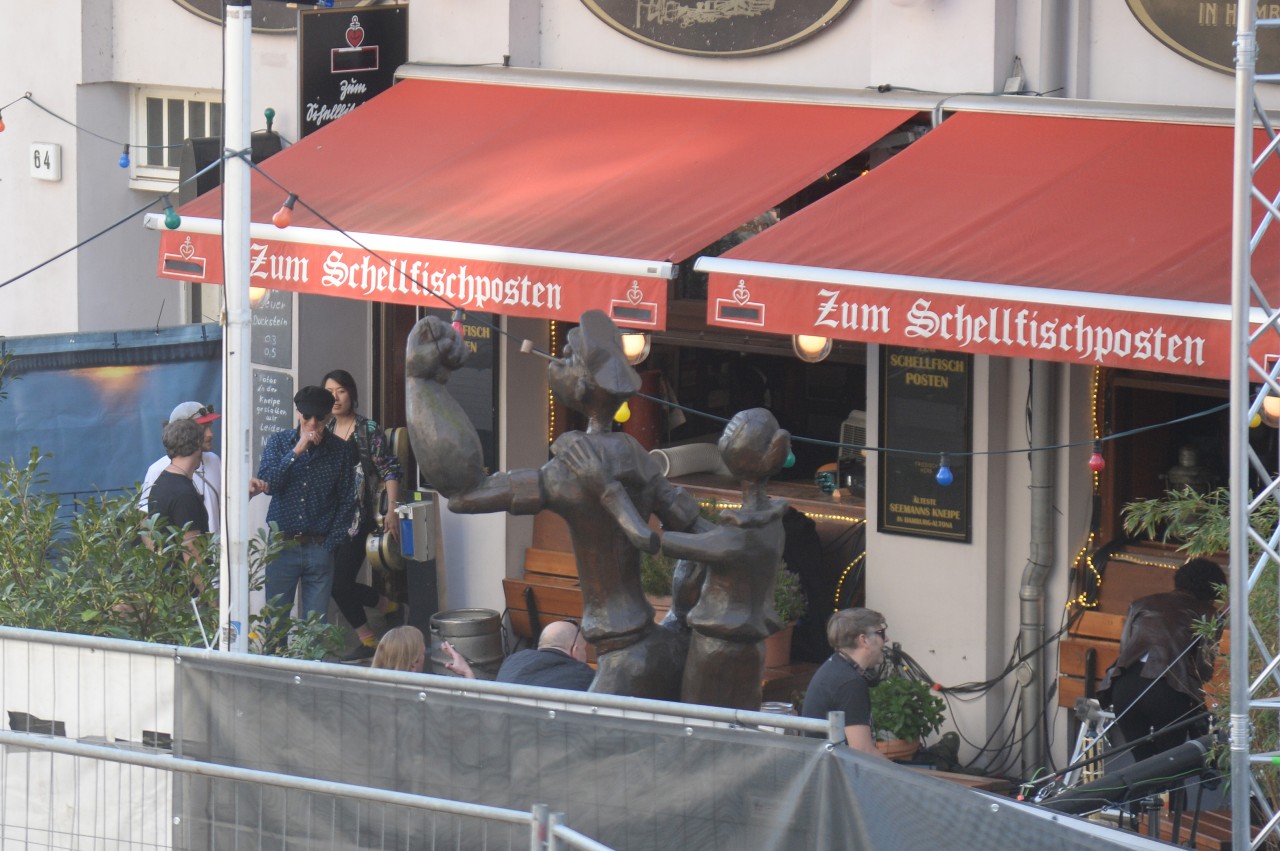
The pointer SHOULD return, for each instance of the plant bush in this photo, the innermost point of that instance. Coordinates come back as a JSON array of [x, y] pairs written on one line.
[[92, 575], [1200, 525], [905, 709]]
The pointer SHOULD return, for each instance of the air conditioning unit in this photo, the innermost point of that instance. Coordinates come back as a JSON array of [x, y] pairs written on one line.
[[853, 433]]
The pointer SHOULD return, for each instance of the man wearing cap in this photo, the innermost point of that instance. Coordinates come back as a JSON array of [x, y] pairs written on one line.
[[312, 485], [207, 477]]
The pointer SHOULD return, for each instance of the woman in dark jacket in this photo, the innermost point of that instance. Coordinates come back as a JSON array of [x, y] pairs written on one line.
[[1158, 678], [377, 464]]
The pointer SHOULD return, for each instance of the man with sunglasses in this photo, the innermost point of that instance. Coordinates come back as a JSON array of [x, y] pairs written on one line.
[[311, 480], [843, 682], [207, 477]]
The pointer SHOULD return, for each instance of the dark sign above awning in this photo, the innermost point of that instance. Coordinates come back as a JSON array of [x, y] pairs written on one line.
[[520, 199], [1077, 240]]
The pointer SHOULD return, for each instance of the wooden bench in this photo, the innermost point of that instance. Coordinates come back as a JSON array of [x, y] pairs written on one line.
[[549, 590], [1097, 633]]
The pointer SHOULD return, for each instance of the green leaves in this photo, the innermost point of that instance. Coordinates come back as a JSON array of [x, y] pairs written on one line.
[[94, 575], [906, 709]]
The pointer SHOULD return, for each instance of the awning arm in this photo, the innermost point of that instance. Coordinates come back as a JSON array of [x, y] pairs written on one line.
[[434, 248], [970, 289]]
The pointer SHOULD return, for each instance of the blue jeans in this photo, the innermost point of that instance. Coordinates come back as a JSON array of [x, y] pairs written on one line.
[[310, 564]]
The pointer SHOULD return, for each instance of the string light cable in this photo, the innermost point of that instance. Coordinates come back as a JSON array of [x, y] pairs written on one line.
[[246, 156], [82, 129], [121, 221]]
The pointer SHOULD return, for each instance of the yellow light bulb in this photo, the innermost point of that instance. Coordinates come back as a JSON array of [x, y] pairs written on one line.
[[623, 413]]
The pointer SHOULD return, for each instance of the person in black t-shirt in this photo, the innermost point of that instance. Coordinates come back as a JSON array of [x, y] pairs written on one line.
[[841, 683], [173, 496]]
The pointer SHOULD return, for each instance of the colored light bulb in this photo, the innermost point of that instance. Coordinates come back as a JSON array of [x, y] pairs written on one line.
[[944, 477], [123, 162], [1, 123], [623, 413], [791, 460], [284, 216], [171, 218], [1096, 462], [1256, 421], [457, 322]]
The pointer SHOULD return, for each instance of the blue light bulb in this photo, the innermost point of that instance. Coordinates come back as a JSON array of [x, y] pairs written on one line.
[[944, 476], [123, 162], [791, 460]]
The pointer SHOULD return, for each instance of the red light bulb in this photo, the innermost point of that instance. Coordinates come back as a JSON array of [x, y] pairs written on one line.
[[284, 216], [1096, 462]]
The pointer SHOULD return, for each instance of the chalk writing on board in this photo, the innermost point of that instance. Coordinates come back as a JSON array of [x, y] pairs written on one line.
[[272, 407], [272, 330]]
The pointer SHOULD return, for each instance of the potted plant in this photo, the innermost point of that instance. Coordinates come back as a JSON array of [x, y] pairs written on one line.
[[655, 580], [904, 711], [789, 602]]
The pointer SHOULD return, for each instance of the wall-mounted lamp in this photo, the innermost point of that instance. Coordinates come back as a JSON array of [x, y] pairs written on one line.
[[1270, 413], [809, 348], [257, 295], [635, 346]]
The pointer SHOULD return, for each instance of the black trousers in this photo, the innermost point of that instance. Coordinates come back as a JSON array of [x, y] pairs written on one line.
[[352, 597], [1144, 705]]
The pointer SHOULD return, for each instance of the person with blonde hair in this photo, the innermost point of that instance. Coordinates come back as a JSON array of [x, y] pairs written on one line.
[[401, 649]]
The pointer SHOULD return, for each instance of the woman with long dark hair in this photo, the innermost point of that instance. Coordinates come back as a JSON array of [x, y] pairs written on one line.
[[377, 464]]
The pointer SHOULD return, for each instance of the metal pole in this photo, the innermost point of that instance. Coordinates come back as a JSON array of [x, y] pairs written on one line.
[[1039, 564], [1241, 232], [538, 828], [233, 596], [835, 727]]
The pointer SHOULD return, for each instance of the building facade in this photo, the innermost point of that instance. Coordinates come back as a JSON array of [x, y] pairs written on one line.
[[134, 70]]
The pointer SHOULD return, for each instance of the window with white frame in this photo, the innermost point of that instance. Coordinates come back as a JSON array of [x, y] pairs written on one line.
[[163, 118]]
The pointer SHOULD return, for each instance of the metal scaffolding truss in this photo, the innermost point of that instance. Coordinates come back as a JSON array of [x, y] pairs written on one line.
[[1252, 695]]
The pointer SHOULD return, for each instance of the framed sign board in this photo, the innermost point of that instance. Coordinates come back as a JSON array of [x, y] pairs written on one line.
[[926, 410], [719, 27], [271, 334], [347, 56], [272, 408]]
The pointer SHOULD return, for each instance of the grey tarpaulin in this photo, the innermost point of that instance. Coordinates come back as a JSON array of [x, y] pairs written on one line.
[[629, 783]]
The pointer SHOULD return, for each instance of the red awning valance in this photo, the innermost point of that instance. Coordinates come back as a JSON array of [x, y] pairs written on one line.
[[522, 200], [1068, 239]]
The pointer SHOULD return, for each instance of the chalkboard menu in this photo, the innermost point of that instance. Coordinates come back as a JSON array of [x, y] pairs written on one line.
[[475, 385], [271, 341], [926, 406], [272, 407]]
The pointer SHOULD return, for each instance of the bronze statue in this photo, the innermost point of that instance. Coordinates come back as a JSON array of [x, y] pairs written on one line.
[[601, 482], [741, 558]]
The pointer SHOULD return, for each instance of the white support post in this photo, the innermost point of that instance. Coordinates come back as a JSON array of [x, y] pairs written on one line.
[[233, 594]]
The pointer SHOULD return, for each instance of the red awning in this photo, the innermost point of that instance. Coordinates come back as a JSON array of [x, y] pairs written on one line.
[[1069, 239], [522, 200]]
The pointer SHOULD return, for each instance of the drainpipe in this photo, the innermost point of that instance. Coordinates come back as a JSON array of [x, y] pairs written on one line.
[[1035, 575], [1052, 77]]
